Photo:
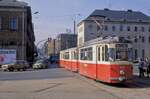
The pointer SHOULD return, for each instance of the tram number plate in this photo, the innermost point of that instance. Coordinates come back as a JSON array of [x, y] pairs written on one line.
[[122, 67]]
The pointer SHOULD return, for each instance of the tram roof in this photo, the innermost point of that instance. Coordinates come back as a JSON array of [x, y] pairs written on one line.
[[107, 40]]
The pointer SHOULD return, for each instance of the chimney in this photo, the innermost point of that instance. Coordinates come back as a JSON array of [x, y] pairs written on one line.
[[106, 9], [129, 10]]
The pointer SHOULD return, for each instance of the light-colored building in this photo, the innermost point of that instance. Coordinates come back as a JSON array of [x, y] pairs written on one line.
[[65, 41], [16, 29], [51, 46], [133, 25]]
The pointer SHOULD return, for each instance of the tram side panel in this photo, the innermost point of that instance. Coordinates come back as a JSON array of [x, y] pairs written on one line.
[[74, 59], [87, 63], [114, 73], [124, 73], [69, 65], [66, 64], [87, 69], [61, 63], [103, 72], [74, 65], [82, 68]]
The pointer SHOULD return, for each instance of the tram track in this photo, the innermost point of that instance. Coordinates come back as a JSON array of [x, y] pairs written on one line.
[[83, 78], [133, 89]]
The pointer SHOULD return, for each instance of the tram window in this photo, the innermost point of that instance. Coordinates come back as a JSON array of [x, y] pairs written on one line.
[[90, 54], [75, 55], [106, 53], [122, 52], [103, 53], [99, 57], [86, 54], [111, 54], [63, 56], [81, 54], [66, 55], [72, 55]]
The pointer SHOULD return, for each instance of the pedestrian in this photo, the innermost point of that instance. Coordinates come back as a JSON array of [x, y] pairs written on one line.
[[148, 68], [141, 68], [146, 62]]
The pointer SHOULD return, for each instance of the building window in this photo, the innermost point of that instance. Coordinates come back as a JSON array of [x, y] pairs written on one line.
[[121, 28], [149, 29], [135, 39], [149, 39], [113, 28], [143, 53], [128, 28], [142, 29], [90, 26], [14, 23], [135, 28], [129, 37], [12, 43], [143, 39], [135, 54], [0, 23], [106, 28]]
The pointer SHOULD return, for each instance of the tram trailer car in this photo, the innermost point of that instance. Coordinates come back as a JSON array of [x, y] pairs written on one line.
[[69, 59], [105, 60]]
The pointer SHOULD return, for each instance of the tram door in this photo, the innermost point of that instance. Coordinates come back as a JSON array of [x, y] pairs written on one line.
[[101, 52], [101, 68], [98, 54]]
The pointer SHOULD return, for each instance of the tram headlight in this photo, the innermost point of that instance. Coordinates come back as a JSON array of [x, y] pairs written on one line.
[[122, 78], [122, 72]]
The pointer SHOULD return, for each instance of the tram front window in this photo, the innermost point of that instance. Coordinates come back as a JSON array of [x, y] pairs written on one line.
[[111, 54], [122, 52], [122, 55]]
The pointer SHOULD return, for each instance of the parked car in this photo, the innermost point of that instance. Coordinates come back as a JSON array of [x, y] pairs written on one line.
[[40, 64], [17, 65], [54, 59]]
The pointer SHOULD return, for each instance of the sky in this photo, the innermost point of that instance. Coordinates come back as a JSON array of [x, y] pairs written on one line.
[[55, 16]]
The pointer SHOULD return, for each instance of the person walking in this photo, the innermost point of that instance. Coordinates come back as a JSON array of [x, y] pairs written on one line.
[[141, 68], [148, 68], [146, 63]]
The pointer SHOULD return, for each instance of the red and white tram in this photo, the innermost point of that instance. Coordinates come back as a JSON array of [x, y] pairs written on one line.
[[69, 59], [107, 60]]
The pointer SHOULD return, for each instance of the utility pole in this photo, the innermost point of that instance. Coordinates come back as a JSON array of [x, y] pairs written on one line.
[[74, 22], [74, 27]]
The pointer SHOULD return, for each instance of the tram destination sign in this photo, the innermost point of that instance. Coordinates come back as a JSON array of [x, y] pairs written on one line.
[[122, 47]]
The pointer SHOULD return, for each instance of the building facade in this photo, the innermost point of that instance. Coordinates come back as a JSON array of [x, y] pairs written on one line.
[[65, 41], [51, 46], [16, 29], [133, 25]]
